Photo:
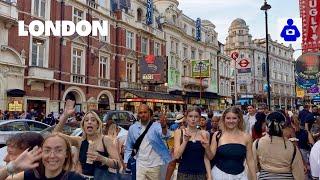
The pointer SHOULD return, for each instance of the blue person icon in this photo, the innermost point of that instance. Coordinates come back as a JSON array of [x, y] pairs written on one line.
[[290, 32]]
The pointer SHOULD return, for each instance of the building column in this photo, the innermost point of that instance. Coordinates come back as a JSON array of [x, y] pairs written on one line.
[[285, 102]]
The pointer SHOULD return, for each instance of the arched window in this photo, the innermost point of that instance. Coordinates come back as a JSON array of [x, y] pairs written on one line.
[[139, 14], [174, 18]]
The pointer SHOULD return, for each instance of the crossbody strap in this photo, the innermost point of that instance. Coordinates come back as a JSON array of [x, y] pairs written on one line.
[[138, 142]]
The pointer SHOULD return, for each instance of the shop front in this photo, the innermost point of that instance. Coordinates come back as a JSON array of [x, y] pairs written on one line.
[[157, 101]]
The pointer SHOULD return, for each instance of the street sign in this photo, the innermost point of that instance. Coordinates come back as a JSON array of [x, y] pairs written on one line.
[[235, 55], [243, 63], [244, 78]]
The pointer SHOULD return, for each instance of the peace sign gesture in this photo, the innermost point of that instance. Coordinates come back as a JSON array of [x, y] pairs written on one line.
[[204, 140], [69, 108]]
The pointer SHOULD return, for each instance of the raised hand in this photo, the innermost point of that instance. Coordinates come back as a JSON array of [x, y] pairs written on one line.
[[27, 160], [69, 109], [186, 135], [204, 141]]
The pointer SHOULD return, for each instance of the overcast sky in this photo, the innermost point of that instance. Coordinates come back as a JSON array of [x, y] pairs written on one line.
[[223, 12]]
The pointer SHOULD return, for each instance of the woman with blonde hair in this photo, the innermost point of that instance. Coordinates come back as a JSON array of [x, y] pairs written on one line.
[[56, 161], [97, 152], [231, 147]]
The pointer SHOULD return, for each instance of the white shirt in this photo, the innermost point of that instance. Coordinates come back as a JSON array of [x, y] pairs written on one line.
[[314, 160], [251, 121], [146, 156]]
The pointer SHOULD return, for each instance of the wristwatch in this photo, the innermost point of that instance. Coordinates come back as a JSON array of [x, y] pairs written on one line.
[[10, 168]]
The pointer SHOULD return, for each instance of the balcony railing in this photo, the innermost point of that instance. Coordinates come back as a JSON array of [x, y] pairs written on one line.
[[130, 85], [77, 78], [8, 10], [40, 73], [104, 82], [92, 4], [195, 82]]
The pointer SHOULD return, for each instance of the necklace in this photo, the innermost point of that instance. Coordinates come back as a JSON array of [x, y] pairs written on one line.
[[194, 138]]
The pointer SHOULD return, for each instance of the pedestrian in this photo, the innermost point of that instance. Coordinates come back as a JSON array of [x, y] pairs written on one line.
[[172, 165], [96, 151], [315, 130], [194, 164], [146, 150], [18, 143], [231, 147], [275, 156], [259, 127], [315, 160], [1, 115], [250, 119], [306, 118], [28, 159], [178, 122], [203, 123], [56, 161]]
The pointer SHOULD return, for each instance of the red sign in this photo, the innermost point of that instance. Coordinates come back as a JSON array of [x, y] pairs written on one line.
[[309, 11], [243, 63], [235, 55]]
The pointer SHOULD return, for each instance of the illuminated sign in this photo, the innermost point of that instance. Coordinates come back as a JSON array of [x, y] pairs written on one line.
[[308, 66], [154, 100], [198, 29], [200, 68], [153, 69], [149, 16]]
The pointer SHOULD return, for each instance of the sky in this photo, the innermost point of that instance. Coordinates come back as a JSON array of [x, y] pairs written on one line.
[[222, 12]]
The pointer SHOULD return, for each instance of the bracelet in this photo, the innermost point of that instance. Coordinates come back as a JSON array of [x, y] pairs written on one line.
[[10, 168]]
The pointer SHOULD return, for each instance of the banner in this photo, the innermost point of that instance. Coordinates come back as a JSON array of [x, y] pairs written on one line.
[[198, 29], [149, 16], [300, 92], [309, 11], [153, 69], [200, 68], [305, 83], [308, 66]]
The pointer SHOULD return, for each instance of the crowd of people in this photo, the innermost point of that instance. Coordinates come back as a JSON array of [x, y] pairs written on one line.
[[234, 146]]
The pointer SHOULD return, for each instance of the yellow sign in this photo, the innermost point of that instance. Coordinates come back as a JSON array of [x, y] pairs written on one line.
[[15, 106], [300, 92]]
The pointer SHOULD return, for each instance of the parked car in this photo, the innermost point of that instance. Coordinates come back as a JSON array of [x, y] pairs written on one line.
[[11, 127], [122, 118]]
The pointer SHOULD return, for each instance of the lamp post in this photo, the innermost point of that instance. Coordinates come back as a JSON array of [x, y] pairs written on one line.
[[200, 66], [265, 7]]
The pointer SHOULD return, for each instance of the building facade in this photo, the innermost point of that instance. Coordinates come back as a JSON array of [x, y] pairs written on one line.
[[12, 61], [250, 77], [224, 78], [182, 48]]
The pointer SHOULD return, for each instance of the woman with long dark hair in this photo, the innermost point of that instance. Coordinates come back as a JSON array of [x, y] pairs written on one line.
[[275, 156], [194, 164], [231, 147], [259, 127]]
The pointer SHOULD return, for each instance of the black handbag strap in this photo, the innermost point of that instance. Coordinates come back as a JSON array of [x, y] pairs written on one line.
[[138, 142]]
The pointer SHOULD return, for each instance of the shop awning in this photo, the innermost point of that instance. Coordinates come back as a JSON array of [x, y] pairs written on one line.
[[206, 95], [15, 93], [149, 96]]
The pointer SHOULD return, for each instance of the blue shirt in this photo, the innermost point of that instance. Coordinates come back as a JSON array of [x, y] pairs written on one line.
[[155, 138]]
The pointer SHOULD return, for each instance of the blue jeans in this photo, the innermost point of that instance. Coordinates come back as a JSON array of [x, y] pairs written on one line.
[[133, 167]]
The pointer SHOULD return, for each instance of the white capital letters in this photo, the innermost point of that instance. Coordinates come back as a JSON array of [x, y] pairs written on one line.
[[21, 30]]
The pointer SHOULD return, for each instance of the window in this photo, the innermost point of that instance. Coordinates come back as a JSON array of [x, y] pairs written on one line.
[[157, 49], [193, 54], [193, 32], [200, 56], [102, 38], [185, 28], [129, 42], [273, 75], [184, 70], [38, 52], [39, 8], [185, 52], [177, 48], [240, 32], [76, 61], [104, 68], [102, 3], [139, 15], [130, 72], [144, 45], [77, 15], [241, 55], [174, 19], [34, 126], [13, 126]]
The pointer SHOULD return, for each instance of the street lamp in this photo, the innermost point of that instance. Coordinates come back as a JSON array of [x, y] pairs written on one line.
[[200, 66], [265, 8]]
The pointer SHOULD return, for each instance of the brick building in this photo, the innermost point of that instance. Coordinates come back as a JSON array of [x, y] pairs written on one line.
[[99, 72]]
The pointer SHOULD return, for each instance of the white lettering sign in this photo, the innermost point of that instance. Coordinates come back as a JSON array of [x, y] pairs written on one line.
[[63, 28], [313, 13]]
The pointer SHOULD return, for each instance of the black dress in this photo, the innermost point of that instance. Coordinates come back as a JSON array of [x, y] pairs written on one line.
[[88, 169]]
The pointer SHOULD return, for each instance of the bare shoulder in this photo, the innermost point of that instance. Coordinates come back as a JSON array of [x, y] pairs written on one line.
[[247, 137]]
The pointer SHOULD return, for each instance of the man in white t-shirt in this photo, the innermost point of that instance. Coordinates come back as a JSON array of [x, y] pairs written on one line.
[[314, 160], [250, 119]]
